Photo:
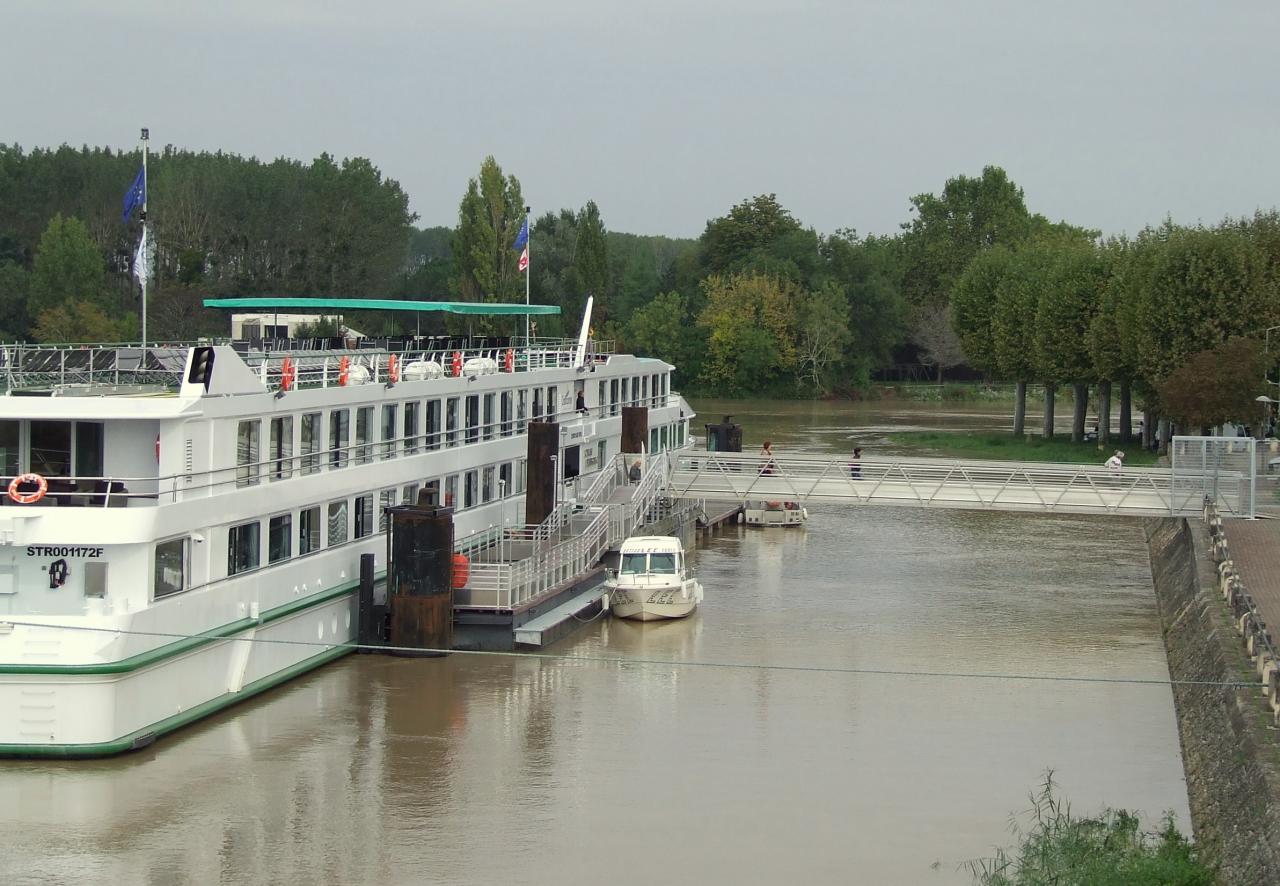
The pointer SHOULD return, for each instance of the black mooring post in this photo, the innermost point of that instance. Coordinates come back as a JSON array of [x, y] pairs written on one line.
[[368, 616]]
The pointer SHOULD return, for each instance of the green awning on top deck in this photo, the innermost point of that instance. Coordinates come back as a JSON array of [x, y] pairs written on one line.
[[282, 303]]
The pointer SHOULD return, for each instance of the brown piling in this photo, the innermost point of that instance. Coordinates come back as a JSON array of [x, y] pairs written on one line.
[[540, 476], [420, 578]]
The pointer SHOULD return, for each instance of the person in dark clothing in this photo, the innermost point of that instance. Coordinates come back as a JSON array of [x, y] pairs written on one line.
[[634, 474], [855, 464], [581, 405]]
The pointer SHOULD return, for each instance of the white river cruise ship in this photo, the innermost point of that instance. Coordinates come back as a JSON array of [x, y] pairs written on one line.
[[164, 504]]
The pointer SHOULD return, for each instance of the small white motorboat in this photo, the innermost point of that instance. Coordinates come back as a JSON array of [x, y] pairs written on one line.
[[774, 513], [652, 581]]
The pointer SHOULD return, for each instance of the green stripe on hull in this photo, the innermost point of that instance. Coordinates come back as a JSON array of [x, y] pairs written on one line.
[[145, 736], [179, 647]]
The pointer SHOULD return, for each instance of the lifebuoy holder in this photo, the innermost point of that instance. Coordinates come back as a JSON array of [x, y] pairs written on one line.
[[457, 363], [28, 498], [393, 369], [344, 370], [509, 360], [288, 375]]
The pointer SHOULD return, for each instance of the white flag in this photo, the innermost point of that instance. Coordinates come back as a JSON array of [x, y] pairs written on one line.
[[142, 257]]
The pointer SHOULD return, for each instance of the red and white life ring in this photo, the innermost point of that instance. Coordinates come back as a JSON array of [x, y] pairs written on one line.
[[28, 498], [509, 360], [457, 363], [288, 375]]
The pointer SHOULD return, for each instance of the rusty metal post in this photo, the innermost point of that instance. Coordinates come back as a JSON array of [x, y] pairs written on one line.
[[540, 474], [420, 578]]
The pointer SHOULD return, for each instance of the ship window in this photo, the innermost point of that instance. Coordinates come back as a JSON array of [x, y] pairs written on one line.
[[433, 424], [51, 448], [488, 416], [451, 420], [602, 453], [653, 439], [572, 461], [469, 490], [9, 448], [387, 500], [486, 485], [411, 427], [522, 475], [282, 447], [537, 404], [624, 393], [662, 564], [664, 437], [364, 433], [522, 410], [451, 491], [171, 567], [242, 547], [280, 538], [88, 449], [473, 418], [308, 530], [505, 412], [339, 437], [388, 430], [553, 406], [337, 522], [601, 398], [504, 479], [310, 442], [613, 396], [247, 438], [364, 515], [633, 564]]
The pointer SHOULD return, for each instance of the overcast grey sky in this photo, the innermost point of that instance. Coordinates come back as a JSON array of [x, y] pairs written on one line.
[[666, 113]]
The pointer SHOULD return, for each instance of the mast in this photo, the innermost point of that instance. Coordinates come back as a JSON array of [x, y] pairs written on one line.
[[527, 275], [146, 136]]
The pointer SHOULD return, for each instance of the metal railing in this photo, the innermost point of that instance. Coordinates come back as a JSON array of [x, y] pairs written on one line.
[[63, 366], [567, 544], [949, 483]]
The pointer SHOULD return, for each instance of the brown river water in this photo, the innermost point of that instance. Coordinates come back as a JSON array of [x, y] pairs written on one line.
[[759, 741]]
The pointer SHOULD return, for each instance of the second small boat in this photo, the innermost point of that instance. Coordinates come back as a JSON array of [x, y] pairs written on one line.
[[652, 582]]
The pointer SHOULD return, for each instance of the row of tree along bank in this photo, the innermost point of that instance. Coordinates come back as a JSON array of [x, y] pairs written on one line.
[[758, 305]]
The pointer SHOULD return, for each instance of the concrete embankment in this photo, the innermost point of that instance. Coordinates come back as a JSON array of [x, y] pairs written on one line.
[[1230, 748]]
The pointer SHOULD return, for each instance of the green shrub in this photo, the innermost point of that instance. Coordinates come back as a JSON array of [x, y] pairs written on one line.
[[1110, 849]]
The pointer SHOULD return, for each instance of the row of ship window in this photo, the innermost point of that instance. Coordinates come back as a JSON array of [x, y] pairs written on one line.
[[414, 426], [296, 534]]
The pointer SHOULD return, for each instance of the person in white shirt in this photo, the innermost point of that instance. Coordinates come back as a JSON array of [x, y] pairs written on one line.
[[1116, 461]]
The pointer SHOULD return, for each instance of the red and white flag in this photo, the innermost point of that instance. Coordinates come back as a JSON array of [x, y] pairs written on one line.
[[524, 260]]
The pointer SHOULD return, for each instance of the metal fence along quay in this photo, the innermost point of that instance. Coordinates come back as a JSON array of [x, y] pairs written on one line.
[[968, 484]]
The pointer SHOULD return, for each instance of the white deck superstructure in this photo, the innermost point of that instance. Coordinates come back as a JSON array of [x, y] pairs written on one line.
[[199, 497]]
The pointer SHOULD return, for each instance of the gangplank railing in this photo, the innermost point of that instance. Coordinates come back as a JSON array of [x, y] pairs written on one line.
[[568, 543], [950, 483]]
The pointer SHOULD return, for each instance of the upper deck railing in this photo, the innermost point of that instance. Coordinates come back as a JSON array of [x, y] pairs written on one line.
[[314, 362]]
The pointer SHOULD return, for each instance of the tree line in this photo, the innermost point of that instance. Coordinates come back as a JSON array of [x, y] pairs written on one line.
[[759, 304]]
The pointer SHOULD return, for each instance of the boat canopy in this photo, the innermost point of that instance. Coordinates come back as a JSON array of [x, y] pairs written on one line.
[[490, 309]]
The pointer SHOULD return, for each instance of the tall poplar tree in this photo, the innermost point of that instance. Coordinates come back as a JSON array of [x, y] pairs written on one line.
[[489, 218]]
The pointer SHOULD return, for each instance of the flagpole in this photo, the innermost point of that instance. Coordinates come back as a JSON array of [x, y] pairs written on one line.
[[146, 135], [528, 272]]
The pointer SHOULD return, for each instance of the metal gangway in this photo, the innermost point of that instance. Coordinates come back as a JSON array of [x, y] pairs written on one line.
[[569, 543], [974, 484]]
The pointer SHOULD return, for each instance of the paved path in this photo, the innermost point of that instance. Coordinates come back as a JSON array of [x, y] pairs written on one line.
[[1255, 549]]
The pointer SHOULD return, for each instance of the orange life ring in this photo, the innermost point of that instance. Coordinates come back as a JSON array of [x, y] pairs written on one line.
[[393, 369], [28, 498], [509, 360], [344, 370], [288, 375], [461, 570], [457, 363]]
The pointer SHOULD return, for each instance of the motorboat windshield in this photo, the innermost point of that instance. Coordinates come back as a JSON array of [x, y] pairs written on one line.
[[662, 564], [633, 564]]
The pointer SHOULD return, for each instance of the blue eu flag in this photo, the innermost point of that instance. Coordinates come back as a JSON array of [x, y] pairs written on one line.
[[523, 237], [136, 195]]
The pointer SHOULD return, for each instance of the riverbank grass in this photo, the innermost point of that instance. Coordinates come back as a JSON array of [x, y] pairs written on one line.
[[1006, 447], [1110, 849]]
